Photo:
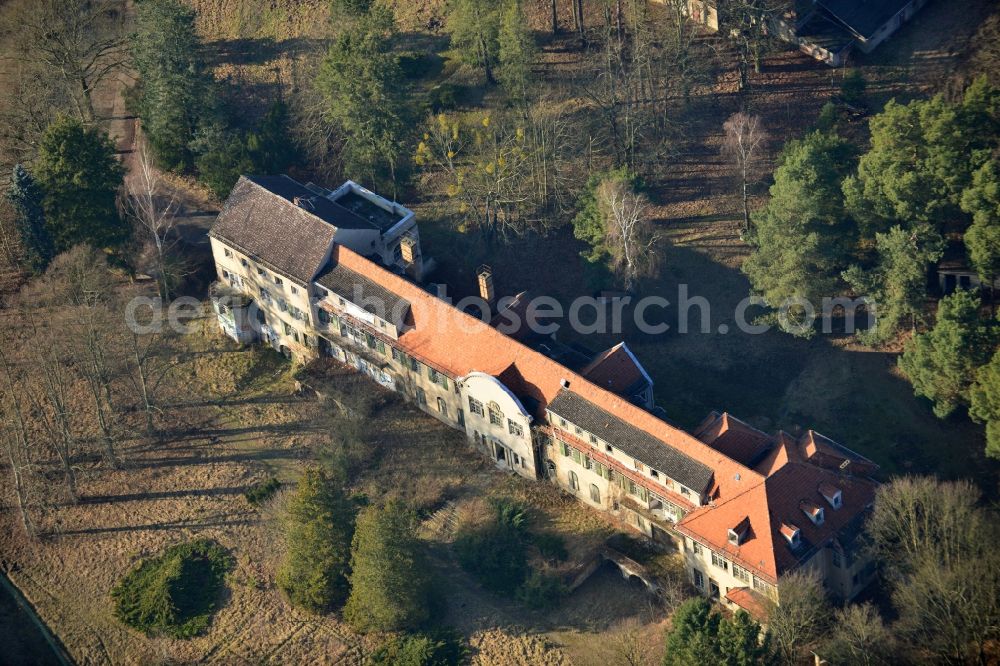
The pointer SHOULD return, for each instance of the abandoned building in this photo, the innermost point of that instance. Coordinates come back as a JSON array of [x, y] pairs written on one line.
[[828, 30], [314, 272]]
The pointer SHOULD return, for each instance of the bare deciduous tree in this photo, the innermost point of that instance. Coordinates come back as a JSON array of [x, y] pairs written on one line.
[[859, 637], [938, 552], [628, 645], [153, 212], [81, 43], [16, 442], [801, 617], [631, 238], [744, 143]]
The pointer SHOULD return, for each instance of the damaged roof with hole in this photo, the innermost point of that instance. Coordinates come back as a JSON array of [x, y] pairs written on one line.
[[308, 200]]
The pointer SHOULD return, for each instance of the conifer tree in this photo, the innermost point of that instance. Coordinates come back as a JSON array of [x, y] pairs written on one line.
[[982, 239], [173, 94], [692, 638], [318, 526], [26, 197], [941, 363], [985, 399], [80, 175], [516, 51], [390, 590], [474, 26], [802, 238]]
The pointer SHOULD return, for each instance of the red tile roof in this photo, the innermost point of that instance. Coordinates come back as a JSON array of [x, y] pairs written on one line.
[[618, 370], [750, 601], [734, 438], [772, 505]]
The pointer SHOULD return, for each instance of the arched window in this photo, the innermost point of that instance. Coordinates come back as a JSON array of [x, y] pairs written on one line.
[[595, 494], [496, 416], [574, 482]]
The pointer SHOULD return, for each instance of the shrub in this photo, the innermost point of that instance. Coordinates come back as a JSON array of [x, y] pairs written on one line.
[[262, 491], [510, 514], [318, 527], [445, 97], [550, 546], [541, 591], [852, 88], [442, 649], [495, 555], [828, 117], [174, 594]]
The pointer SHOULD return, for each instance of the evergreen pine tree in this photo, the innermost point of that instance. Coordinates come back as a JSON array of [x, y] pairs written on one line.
[[740, 643], [80, 175], [474, 26], [941, 363], [173, 94], [985, 399], [26, 197], [982, 239], [693, 637], [390, 590], [516, 51], [318, 528], [802, 238]]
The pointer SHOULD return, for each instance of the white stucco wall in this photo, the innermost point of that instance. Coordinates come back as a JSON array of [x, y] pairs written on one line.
[[488, 389]]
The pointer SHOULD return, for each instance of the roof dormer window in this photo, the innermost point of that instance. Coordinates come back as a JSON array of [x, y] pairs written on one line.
[[791, 534], [738, 533], [815, 513], [832, 495]]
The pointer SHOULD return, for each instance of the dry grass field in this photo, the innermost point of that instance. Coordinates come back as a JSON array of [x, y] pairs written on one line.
[[234, 419]]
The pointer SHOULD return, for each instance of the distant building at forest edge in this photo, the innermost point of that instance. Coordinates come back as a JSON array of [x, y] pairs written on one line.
[[743, 506], [828, 30]]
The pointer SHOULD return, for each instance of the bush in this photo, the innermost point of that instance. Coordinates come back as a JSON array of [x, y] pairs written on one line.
[[443, 649], [828, 117], [510, 514], [495, 555], [445, 97], [174, 594], [541, 591], [853, 87], [262, 491], [550, 546]]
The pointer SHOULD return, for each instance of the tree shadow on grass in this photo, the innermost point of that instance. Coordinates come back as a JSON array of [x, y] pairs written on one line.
[[168, 494], [221, 521]]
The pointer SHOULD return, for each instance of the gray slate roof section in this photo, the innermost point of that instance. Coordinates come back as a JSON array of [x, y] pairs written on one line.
[[274, 231], [635, 442], [325, 209], [363, 292], [864, 17]]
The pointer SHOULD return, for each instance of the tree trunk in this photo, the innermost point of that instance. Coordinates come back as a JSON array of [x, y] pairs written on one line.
[[555, 19], [484, 56], [19, 489], [618, 21], [746, 202]]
